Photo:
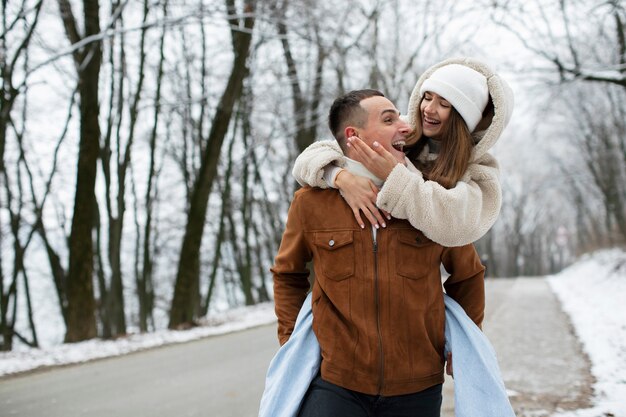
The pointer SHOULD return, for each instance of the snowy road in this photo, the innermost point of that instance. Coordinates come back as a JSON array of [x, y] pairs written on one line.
[[223, 376], [541, 360]]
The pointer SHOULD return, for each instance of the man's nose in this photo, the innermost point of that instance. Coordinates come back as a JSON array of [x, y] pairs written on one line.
[[404, 127]]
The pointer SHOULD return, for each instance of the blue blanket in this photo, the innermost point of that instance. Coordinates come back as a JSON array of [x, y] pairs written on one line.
[[478, 387]]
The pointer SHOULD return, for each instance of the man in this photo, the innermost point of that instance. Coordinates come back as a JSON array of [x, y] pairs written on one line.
[[377, 298]]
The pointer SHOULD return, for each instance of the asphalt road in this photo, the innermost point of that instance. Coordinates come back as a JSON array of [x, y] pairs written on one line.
[[220, 376], [541, 361]]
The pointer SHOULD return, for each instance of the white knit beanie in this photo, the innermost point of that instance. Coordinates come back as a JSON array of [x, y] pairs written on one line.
[[464, 88]]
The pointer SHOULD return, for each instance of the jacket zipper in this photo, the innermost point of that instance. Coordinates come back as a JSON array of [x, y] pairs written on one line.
[[378, 327]]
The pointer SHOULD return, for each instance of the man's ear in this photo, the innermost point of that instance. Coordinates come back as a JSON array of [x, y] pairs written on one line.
[[350, 131]]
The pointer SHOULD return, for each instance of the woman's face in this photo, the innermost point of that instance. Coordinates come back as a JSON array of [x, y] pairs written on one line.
[[435, 114]]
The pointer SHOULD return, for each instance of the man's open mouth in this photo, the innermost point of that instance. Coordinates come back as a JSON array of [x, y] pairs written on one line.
[[399, 145]]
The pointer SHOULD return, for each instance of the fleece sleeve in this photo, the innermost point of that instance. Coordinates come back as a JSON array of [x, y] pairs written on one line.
[[290, 273], [309, 166], [450, 217]]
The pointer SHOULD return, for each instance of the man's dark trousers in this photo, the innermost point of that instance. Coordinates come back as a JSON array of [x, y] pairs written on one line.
[[324, 399]]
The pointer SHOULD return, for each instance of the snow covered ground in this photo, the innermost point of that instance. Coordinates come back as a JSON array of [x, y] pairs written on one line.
[[592, 293], [26, 359]]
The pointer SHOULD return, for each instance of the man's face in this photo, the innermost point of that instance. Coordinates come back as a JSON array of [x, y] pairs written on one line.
[[384, 126]]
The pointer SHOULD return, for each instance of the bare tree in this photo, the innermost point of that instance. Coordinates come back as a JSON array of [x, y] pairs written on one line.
[[186, 300], [585, 81], [539, 26], [18, 26], [602, 141], [144, 276], [81, 320], [305, 103], [17, 207], [119, 145]]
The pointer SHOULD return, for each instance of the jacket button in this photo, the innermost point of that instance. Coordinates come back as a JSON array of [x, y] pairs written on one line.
[[331, 243]]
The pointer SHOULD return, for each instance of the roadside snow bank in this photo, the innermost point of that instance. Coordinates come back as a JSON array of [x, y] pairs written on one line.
[[593, 293], [230, 321]]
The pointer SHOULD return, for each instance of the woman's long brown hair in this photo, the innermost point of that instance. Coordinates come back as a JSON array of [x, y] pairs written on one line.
[[454, 155]]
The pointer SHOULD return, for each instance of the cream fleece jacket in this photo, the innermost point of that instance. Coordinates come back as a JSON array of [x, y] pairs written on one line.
[[450, 217]]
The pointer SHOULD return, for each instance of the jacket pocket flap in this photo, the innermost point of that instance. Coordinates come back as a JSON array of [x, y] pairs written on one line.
[[413, 238], [333, 240]]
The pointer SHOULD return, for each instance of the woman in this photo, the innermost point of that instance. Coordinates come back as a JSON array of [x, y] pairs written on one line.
[[450, 216]]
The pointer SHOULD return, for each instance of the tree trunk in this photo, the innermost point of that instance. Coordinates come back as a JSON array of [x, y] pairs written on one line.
[[185, 303], [241, 255], [81, 318], [115, 305], [145, 292]]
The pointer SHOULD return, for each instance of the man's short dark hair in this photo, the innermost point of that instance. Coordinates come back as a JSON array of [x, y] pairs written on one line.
[[346, 110]]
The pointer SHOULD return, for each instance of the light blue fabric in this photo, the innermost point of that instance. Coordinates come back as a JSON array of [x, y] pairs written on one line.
[[292, 369], [478, 387]]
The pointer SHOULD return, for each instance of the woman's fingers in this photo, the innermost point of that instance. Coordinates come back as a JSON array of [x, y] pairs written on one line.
[[360, 194], [365, 203], [372, 213], [375, 217], [385, 154], [378, 160], [364, 153], [384, 164], [357, 217]]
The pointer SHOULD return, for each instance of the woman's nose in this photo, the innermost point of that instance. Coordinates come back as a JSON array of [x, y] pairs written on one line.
[[429, 108]]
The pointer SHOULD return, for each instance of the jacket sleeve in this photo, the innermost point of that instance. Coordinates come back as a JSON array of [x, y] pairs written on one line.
[[450, 217], [290, 273], [309, 166], [466, 283]]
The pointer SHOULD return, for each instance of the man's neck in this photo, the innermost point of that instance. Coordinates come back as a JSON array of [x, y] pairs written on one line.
[[357, 168]]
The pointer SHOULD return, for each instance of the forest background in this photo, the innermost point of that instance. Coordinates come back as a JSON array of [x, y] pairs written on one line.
[[146, 146]]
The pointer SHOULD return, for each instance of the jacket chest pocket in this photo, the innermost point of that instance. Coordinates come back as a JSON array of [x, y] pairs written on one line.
[[336, 254], [413, 254]]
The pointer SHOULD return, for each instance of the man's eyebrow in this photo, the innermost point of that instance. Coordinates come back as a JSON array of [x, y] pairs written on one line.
[[394, 111]]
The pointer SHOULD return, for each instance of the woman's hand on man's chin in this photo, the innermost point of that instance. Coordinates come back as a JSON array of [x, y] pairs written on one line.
[[378, 160]]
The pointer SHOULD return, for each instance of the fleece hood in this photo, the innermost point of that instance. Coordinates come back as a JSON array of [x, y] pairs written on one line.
[[495, 119]]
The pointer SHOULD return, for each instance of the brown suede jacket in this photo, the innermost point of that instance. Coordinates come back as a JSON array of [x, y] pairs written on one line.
[[378, 310]]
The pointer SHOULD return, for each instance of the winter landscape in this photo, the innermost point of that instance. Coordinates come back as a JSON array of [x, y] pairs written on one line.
[[146, 150]]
